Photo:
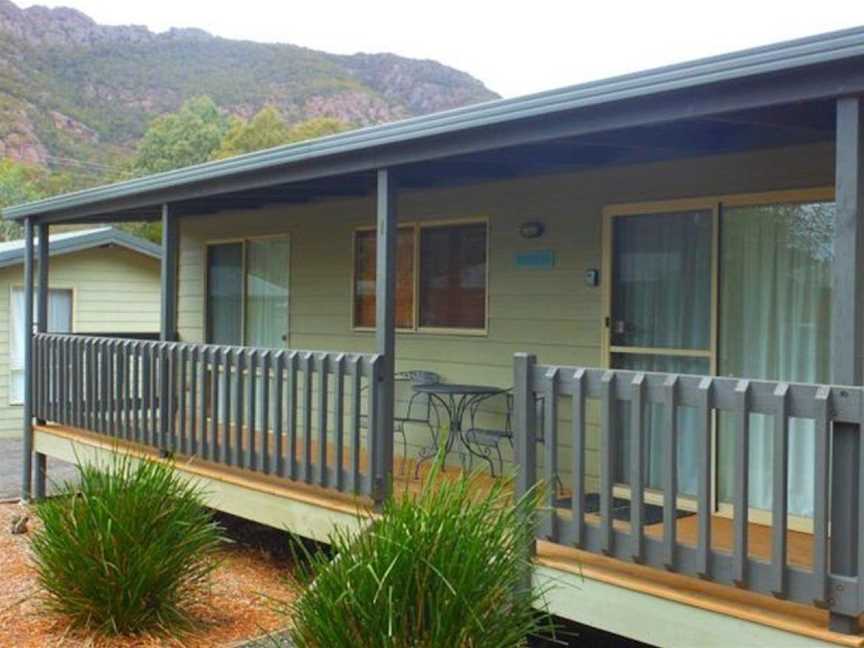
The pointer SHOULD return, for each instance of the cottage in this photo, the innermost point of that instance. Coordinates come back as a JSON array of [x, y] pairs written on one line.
[[94, 273], [650, 285]]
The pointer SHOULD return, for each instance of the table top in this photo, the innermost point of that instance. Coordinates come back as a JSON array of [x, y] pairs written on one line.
[[458, 390]]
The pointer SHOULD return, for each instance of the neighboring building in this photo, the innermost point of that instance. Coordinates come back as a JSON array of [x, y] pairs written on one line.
[[680, 252], [101, 281]]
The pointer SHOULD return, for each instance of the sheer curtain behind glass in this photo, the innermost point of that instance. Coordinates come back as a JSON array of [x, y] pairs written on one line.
[[59, 321], [267, 263], [775, 324], [661, 299]]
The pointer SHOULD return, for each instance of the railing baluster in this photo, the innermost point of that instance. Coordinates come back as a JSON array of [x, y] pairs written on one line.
[[182, 368], [240, 452], [75, 384], [670, 482], [251, 378], [215, 386], [356, 405], [193, 400], [372, 439], [779, 486], [822, 423], [64, 381], [578, 458], [105, 388], [265, 424], [637, 463], [338, 419], [278, 392], [307, 418], [550, 448], [119, 382], [91, 384], [230, 364], [741, 500], [607, 459], [152, 406], [200, 403], [322, 370], [137, 394], [291, 415], [703, 488]]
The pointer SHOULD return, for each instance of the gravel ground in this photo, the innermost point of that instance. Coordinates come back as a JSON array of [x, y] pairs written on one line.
[[10, 470]]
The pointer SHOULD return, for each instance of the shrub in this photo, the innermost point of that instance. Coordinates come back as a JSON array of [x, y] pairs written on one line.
[[127, 549], [444, 567]]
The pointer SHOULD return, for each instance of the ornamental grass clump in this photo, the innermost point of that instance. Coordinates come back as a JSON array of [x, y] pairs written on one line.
[[127, 549], [446, 567]]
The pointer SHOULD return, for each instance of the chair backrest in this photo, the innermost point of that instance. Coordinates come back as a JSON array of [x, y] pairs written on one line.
[[419, 377]]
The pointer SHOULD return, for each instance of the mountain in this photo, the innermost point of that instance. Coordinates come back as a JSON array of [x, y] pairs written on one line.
[[76, 92]]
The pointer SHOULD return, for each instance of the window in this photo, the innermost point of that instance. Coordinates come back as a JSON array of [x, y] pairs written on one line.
[[365, 251], [449, 275], [59, 321], [247, 292]]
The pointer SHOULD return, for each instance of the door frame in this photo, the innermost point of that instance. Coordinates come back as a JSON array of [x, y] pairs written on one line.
[[715, 203]]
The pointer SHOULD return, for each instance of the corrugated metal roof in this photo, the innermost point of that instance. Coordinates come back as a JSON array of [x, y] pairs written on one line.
[[790, 55], [12, 252]]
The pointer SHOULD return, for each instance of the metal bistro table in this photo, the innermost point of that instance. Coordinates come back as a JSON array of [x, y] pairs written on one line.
[[456, 399]]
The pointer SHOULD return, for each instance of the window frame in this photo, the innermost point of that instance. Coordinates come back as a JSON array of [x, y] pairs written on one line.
[[205, 270], [418, 226], [73, 322]]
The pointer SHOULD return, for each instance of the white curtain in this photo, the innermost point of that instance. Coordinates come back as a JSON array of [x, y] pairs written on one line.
[[662, 299], [775, 324], [267, 292], [59, 321]]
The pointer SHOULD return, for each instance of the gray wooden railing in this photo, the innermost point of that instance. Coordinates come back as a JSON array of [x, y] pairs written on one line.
[[292, 414], [832, 581]]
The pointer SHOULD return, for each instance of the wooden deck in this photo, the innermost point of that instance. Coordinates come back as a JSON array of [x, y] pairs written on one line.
[[803, 620]]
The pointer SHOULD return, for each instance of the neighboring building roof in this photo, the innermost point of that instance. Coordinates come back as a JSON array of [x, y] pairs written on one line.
[[12, 252], [412, 139]]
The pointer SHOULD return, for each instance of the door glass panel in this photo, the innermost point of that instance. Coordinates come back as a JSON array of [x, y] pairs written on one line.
[[661, 283], [656, 424], [775, 324], [267, 292], [224, 293]]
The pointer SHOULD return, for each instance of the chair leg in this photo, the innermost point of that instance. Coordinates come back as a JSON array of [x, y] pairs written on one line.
[[500, 459]]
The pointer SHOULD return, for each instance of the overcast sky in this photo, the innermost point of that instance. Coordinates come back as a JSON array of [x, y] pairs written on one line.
[[513, 47]]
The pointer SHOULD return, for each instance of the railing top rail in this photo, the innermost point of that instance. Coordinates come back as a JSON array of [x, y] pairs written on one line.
[[221, 348], [845, 402]]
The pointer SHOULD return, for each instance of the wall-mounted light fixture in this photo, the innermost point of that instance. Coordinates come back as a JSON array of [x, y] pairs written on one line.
[[532, 229]]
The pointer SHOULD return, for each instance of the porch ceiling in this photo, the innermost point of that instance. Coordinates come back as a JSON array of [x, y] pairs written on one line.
[[798, 124]]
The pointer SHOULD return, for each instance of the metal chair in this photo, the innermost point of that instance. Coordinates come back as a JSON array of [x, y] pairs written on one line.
[[489, 440], [420, 410]]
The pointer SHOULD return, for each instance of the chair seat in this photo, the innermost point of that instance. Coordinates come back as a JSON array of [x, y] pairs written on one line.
[[486, 437]]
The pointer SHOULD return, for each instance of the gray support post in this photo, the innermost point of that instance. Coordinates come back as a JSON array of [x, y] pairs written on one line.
[[41, 327], [385, 332], [170, 240], [525, 435], [168, 319], [846, 341], [27, 466]]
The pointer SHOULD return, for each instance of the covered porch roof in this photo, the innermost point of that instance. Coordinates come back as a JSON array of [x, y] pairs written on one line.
[[769, 96]]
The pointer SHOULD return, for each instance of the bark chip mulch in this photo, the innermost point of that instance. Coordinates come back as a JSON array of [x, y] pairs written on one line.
[[242, 604]]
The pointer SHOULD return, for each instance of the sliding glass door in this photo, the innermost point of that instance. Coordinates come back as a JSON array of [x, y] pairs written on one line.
[[775, 323], [737, 287]]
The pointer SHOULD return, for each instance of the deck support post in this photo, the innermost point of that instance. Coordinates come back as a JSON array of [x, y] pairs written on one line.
[[27, 463], [847, 336], [41, 472], [385, 331], [525, 434], [168, 318]]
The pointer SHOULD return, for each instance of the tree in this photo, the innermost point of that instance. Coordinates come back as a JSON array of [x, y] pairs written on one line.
[[19, 183], [189, 136], [268, 129]]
